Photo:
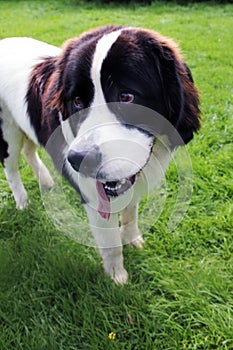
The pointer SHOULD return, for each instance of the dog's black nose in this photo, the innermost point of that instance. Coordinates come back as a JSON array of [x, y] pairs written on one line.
[[86, 162]]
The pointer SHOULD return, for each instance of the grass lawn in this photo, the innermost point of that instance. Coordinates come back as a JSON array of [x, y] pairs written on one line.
[[53, 293]]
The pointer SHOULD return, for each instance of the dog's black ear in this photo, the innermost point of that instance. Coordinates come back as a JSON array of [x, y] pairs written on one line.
[[189, 117], [55, 97], [41, 114], [180, 94]]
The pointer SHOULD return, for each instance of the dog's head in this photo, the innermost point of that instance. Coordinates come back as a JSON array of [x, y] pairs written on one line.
[[111, 76]]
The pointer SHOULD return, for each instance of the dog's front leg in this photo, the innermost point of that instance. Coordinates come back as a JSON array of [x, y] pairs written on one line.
[[130, 232], [108, 240]]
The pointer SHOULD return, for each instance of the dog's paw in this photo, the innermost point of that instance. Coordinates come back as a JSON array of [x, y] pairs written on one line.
[[118, 274], [133, 237], [138, 243], [22, 201], [45, 179]]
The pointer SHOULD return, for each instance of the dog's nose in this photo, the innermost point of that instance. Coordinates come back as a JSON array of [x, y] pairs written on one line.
[[86, 162]]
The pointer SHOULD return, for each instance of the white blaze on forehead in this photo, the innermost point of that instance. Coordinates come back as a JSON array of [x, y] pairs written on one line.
[[102, 48], [100, 115]]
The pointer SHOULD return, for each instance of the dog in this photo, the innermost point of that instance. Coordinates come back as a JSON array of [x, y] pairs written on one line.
[[123, 99]]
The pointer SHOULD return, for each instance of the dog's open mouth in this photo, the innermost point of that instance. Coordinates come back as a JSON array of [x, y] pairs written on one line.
[[116, 188], [111, 189]]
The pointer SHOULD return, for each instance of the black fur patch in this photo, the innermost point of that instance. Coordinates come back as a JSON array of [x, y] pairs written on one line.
[[3, 145], [43, 124], [128, 67], [150, 66]]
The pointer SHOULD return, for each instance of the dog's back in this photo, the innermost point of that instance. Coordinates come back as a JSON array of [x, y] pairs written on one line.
[[18, 56]]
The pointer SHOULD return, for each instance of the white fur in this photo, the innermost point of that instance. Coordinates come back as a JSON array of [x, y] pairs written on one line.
[[66, 129], [40, 170], [17, 58], [101, 51]]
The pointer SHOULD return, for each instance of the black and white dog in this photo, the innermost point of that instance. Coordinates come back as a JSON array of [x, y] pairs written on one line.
[[96, 89]]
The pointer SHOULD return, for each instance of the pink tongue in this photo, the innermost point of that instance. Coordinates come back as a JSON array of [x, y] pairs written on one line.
[[103, 201]]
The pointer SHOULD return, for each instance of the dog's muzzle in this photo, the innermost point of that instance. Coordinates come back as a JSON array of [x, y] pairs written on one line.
[[87, 164]]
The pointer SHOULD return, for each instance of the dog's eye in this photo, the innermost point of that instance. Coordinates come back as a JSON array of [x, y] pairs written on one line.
[[78, 103], [126, 97]]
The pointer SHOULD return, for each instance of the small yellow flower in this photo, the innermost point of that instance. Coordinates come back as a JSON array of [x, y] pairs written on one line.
[[112, 336]]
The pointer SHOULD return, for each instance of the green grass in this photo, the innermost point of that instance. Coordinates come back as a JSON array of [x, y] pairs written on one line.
[[53, 293]]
